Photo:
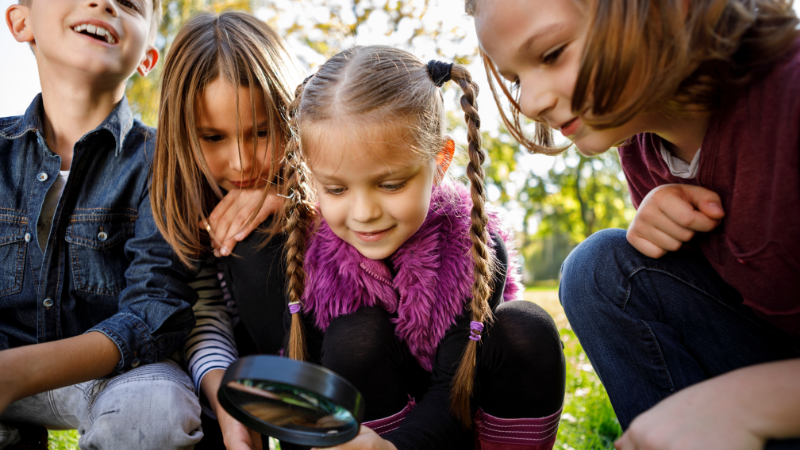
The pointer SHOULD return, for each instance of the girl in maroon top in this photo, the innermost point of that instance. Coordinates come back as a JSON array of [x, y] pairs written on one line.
[[703, 99]]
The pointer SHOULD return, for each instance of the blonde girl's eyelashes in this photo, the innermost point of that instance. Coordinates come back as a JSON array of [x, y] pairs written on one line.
[[211, 138], [334, 190], [263, 133], [393, 187], [552, 55], [515, 85]]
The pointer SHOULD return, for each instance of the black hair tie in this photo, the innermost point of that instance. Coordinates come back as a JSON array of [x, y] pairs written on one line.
[[439, 72]]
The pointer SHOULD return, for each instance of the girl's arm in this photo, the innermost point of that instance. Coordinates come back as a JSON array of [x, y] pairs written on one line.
[[738, 410], [210, 344]]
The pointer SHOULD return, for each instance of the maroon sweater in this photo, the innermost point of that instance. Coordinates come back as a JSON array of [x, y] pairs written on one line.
[[751, 159]]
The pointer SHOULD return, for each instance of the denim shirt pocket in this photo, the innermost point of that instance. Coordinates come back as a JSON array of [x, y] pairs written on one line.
[[97, 251], [12, 253]]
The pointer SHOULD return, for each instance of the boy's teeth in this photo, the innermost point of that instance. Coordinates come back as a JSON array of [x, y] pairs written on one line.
[[97, 31]]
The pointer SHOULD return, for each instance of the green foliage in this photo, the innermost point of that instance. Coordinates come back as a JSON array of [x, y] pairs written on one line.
[[588, 421], [63, 440]]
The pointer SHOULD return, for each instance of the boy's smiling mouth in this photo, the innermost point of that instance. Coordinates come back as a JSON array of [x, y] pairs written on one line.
[[98, 32]]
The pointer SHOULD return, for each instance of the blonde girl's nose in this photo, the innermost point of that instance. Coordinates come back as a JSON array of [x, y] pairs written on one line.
[[364, 208]]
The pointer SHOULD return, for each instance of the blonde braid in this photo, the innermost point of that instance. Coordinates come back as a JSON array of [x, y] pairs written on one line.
[[481, 288], [298, 211]]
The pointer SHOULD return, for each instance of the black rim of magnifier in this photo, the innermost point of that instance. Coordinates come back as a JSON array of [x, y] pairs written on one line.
[[310, 377]]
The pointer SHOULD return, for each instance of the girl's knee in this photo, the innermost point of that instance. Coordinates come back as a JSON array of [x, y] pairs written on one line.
[[526, 332]]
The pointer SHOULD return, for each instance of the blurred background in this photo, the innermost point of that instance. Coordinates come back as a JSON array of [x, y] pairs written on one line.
[[553, 202]]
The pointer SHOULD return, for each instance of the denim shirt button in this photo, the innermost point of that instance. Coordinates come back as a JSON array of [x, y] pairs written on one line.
[[27, 237], [42, 177], [48, 302], [102, 235], [135, 363]]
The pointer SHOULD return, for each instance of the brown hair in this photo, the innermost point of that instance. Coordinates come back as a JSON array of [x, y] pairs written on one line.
[[391, 88], [652, 56], [246, 52]]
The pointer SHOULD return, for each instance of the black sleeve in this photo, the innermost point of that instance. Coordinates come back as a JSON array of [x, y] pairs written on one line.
[[431, 425]]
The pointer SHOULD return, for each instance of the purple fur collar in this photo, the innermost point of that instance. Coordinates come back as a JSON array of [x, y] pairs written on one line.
[[433, 280]]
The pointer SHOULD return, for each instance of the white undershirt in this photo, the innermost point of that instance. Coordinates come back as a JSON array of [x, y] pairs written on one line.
[[678, 167], [49, 207]]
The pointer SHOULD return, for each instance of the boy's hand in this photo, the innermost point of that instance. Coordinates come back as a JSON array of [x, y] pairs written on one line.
[[670, 215], [229, 216], [366, 440]]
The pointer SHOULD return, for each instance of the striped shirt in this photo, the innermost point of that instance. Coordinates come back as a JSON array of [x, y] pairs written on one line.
[[211, 344]]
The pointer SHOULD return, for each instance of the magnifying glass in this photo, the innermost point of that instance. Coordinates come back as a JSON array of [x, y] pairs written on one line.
[[293, 401]]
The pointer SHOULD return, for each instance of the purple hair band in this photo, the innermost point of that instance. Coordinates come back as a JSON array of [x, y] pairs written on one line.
[[475, 330], [294, 307]]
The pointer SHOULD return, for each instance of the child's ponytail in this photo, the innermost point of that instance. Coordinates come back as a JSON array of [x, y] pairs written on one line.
[[298, 210], [461, 390]]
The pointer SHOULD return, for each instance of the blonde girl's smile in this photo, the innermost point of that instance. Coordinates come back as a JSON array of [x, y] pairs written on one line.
[[373, 194]]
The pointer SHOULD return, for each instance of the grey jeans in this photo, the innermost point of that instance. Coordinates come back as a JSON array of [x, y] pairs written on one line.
[[149, 407]]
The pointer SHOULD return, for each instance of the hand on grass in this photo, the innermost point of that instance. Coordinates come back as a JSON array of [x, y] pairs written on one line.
[[701, 417], [366, 440], [670, 215], [228, 219]]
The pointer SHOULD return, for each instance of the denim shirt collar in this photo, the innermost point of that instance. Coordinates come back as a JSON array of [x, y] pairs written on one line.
[[119, 122]]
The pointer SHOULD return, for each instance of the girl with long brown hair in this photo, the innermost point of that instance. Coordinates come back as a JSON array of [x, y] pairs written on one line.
[[702, 98], [222, 131], [397, 276]]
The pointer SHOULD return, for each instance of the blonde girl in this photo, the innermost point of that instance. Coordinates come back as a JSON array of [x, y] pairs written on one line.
[[222, 132], [703, 99], [396, 277]]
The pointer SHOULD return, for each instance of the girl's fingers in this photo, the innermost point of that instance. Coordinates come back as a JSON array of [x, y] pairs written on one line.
[[645, 247]]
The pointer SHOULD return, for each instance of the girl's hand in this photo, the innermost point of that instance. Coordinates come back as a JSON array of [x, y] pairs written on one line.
[[366, 440], [229, 216], [670, 215], [707, 415], [235, 435]]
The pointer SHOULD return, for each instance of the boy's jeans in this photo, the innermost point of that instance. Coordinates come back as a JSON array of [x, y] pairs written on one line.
[[652, 327], [149, 407]]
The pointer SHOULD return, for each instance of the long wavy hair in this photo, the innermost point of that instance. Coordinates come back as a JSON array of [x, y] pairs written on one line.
[[246, 52], [652, 56], [390, 88]]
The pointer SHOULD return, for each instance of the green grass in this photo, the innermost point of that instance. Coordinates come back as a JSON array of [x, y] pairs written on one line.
[[588, 421]]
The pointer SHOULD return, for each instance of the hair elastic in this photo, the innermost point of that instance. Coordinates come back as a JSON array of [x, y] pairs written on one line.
[[475, 330], [294, 307], [440, 72]]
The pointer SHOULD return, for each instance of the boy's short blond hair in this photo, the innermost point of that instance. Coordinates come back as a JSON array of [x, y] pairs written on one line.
[[154, 22]]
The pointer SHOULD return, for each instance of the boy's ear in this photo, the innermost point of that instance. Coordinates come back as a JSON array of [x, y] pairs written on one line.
[[444, 158], [148, 62], [17, 21]]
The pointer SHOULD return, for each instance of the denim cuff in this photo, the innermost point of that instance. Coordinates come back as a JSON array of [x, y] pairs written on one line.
[[135, 343]]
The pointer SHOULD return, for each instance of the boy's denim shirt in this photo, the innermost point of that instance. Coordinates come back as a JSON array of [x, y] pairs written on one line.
[[106, 267]]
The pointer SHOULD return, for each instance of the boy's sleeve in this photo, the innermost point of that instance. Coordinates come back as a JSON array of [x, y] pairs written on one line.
[[155, 309]]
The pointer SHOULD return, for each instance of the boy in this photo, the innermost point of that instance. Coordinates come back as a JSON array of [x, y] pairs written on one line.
[[92, 299]]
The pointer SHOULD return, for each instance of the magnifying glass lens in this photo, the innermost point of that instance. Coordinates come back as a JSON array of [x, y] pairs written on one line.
[[289, 407]]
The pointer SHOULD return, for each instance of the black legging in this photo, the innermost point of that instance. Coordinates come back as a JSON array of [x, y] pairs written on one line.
[[520, 367]]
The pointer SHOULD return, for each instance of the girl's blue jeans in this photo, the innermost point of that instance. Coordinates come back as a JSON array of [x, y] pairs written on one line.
[[652, 327]]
